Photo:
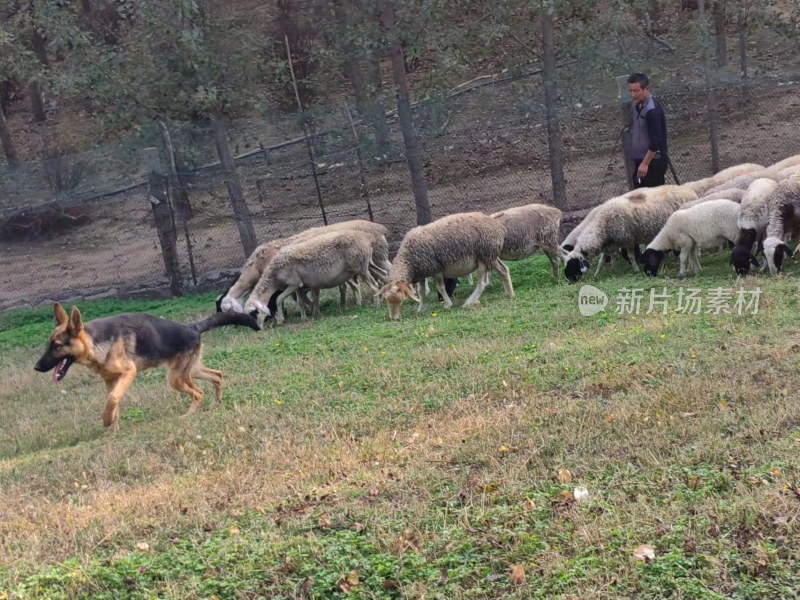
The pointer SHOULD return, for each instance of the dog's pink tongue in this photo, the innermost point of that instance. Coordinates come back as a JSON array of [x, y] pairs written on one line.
[[57, 372]]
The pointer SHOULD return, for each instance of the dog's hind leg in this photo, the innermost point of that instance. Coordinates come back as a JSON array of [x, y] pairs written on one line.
[[215, 377], [180, 374]]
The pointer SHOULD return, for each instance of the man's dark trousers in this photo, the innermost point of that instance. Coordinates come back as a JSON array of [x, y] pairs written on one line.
[[655, 173]]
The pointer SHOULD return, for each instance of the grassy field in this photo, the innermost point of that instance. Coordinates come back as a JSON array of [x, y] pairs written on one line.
[[436, 457]]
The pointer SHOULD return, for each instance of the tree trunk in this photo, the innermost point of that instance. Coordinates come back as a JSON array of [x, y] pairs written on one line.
[[351, 66], [244, 221], [375, 111], [35, 93], [743, 52], [551, 106], [158, 195], [718, 10], [7, 142], [413, 157], [711, 101]]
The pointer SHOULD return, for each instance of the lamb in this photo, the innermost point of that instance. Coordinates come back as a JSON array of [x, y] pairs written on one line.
[[529, 228], [324, 261], [701, 186], [706, 224], [264, 254], [753, 219], [453, 246], [784, 216], [625, 221]]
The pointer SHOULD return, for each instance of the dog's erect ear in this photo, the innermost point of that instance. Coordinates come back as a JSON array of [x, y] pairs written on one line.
[[75, 321], [60, 314]]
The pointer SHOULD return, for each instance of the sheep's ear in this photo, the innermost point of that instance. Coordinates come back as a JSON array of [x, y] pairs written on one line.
[[410, 293], [381, 292]]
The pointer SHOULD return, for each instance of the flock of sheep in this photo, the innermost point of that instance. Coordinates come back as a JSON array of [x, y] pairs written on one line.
[[754, 208]]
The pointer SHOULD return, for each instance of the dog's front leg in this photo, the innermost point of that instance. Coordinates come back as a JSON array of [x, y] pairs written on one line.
[[116, 391]]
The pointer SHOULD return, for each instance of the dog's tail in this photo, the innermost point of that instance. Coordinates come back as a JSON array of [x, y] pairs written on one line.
[[221, 319]]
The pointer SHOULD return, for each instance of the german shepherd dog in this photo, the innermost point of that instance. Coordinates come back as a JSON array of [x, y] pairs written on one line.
[[119, 347]]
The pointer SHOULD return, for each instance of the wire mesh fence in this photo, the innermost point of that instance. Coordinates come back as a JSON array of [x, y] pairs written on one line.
[[484, 149]]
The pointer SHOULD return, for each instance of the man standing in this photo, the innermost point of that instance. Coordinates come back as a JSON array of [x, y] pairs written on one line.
[[649, 139]]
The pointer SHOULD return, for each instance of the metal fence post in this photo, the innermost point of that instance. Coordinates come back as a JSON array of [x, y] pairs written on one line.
[[625, 105]]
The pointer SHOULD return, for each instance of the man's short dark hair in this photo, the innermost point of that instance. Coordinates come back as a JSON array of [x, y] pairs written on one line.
[[639, 78]]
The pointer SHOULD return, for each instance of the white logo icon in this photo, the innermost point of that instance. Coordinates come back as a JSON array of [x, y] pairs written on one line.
[[591, 300]]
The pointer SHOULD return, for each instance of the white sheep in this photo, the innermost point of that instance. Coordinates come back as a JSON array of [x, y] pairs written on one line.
[[688, 229], [453, 246], [324, 261], [701, 186], [529, 228], [783, 218], [752, 223], [253, 268], [625, 222]]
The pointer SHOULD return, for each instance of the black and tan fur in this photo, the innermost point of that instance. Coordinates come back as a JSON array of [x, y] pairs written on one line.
[[118, 348]]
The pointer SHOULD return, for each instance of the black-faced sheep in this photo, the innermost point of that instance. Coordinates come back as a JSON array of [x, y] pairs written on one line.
[[784, 217], [688, 229], [752, 223], [453, 246], [624, 222]]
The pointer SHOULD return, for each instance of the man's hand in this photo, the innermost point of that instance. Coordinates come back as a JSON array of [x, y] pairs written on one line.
[[642, 170]]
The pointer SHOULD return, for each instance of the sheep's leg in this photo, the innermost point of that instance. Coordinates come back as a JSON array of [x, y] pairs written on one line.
[[420, 288], [552, 256], [469, 278], [439, 279], [315, 312], [475, 297], [501, 268], [279, 316], [632, 260], [695, 257], [342, 296], [685, 250], [600, 260]]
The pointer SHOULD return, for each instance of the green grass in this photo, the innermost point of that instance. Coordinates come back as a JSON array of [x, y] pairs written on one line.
[[357, 457]]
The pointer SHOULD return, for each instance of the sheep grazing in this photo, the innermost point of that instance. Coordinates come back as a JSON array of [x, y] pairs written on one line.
[[701, 186], [752, 222], [324, 261], [529, 228], [688, 229], [624, 222], [784, 217], [453, 246], [233, 299]]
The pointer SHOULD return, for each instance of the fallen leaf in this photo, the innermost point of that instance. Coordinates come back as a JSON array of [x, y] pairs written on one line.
[[529, 504], [390, 584], [143, 546], [722, 405], [581, 494], [645, 553], [358, 527], [324, 522], [517, 574], [305, 588], [233, 530], [353, 578], [564, 476], [503, 449], [692, 481]]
